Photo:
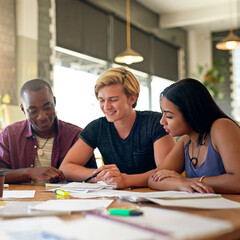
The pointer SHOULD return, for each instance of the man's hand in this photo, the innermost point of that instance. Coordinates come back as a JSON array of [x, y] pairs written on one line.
[[110, 174], [49, 174]]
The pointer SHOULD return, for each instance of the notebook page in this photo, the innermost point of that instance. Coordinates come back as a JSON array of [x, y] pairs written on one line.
[[203, 203]]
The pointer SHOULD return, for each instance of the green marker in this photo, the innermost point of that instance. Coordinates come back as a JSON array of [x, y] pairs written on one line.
[[125, 212]]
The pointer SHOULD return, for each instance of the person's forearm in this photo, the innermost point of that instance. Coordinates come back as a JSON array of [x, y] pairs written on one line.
[[138, 180], [167, 184], [75, 172], [17, 175], [225, 183]]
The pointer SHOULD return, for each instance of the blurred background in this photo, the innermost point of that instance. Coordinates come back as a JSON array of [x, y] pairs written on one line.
[[70, 42]]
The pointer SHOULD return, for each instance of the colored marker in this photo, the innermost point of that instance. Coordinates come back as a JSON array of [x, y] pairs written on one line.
[[61, 192], [125, 212]]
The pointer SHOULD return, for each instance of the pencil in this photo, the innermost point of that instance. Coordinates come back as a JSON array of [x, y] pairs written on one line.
[[93, 176]]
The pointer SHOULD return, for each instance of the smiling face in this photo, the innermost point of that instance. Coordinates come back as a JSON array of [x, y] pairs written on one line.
[[114, 103], [39, 107], [173, 120]]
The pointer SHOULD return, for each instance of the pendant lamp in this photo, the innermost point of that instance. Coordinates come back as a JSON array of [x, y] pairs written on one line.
[[231, 41], [128, 56]]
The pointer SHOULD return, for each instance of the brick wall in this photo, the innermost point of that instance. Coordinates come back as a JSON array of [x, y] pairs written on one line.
[[8, 49], [44, 37]]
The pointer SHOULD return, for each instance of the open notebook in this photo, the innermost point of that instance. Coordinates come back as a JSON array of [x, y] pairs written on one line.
[[142, 197], [201, 203]]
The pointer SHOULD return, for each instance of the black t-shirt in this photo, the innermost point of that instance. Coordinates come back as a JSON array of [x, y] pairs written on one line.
[[132, 155]]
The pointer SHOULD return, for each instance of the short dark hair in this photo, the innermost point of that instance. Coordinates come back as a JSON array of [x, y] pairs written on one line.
[[34, 85], [196, 105]]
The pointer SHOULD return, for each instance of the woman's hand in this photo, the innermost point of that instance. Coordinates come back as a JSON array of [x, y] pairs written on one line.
[[171, 180], [161, 174], [191, 186]]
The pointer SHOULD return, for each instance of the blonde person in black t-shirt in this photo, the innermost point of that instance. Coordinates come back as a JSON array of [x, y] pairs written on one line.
[[132, 143]]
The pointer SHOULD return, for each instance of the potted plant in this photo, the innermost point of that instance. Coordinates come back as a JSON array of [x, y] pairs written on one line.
[[213, 76]]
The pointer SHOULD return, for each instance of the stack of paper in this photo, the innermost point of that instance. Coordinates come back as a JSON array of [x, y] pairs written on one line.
[[80, 186], [154, 224], [139, 196]]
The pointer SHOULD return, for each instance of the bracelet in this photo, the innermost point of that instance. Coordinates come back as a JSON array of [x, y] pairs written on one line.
[[201, 178]]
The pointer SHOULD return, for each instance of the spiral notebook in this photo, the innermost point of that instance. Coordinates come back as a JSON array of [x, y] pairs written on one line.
[[167, 195]]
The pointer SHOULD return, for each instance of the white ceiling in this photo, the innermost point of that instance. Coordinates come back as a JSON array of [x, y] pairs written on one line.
[[202, 15]]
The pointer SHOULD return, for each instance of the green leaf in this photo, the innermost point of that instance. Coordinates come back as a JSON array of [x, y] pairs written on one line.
[[200, 68], [221, 79], [214, 73]]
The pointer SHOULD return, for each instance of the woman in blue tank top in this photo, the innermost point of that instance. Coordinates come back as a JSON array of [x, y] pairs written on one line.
[[209, 149]]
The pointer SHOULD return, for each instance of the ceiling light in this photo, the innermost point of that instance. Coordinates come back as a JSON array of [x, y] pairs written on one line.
[[128, 56], [231, 41]]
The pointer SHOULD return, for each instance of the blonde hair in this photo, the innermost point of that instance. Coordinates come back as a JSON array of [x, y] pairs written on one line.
[[120, 75]]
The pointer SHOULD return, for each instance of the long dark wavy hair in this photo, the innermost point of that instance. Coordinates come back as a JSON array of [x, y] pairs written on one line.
[[196, 105]]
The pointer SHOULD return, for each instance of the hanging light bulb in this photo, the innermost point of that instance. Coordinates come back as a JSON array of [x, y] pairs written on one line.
[[128, 56], [231, 41]]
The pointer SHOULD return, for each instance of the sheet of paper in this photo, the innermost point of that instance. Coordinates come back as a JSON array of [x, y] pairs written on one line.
[[98, 193], [18, 194], [151, 225], [178, 224], [55, 185], [86, 228], [15, 209], [73, 205], [204, 203], [79, 186], [29, 228], [141, 196], [92, 227]]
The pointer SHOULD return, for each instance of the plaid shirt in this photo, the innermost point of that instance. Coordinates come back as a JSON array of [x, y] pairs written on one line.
[[18, 145]]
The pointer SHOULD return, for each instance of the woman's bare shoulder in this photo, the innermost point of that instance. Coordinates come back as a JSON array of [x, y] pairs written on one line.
[[224, 124]]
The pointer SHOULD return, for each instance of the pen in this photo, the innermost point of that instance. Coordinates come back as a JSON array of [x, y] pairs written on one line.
[[125, 212], [61, 192], [93, 176]]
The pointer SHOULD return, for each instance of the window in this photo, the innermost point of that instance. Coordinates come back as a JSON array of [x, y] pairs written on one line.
[[157, 86], [75, 75], [74, 91]]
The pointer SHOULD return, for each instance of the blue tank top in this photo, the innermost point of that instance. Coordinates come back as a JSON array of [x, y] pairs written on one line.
[[212, 166]]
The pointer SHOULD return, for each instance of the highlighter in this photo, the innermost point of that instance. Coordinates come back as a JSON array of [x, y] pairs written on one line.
[[61, 192], [125, 212]]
